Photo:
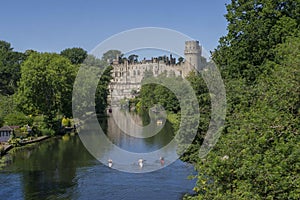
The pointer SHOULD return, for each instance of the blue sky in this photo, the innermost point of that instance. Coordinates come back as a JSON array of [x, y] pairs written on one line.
[[56, 25]]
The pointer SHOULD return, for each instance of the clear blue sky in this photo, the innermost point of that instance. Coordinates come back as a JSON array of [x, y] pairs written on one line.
[[55, 25]]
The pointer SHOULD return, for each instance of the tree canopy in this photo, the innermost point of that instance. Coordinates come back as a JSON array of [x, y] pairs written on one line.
[[255, 28], [76, 55], [110, 55], [257, 155], [46, 84], [9, 68]]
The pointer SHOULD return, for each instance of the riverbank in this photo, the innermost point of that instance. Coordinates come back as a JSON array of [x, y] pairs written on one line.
[[6, 146]]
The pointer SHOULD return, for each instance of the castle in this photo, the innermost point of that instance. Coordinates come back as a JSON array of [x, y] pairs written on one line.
[[127, 76]]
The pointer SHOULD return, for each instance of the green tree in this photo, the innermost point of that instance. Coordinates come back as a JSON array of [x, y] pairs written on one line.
[[93, 75], [254, 30], [257, 156], [17, 119], [133, 58], [180, 60], [102, 91], [75, 55], [9, 68], [7, 106], [110, 55], [46, 85]]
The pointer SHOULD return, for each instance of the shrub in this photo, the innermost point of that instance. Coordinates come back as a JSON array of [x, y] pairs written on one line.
[[17, 118]]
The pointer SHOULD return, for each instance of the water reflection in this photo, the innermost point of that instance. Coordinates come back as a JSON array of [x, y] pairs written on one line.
[[63, 169], [125, 149], [131, 143]]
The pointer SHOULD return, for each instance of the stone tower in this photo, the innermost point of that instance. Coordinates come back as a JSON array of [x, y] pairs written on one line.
[[192, 54]]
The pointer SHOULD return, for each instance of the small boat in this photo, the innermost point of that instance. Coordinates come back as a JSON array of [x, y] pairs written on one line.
[[140, 162], [110, 163]]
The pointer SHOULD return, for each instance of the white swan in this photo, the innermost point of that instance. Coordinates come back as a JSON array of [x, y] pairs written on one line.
[[141, 163], [110, 163]]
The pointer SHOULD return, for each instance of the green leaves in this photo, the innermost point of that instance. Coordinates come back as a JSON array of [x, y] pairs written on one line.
[[75, 55], [46, 84], [254, 30], [9, 68], [259, 59], [261, 137]]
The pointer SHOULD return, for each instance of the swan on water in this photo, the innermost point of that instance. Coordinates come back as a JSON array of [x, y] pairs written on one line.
[[141, 162], [110, 162]]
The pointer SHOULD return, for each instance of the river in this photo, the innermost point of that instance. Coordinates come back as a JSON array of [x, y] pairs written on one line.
[[62, 168]]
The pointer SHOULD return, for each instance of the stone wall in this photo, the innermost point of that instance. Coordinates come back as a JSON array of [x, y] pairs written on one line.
[[127, 77]]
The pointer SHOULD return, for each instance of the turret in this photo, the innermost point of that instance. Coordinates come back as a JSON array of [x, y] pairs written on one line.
[[192, 54]]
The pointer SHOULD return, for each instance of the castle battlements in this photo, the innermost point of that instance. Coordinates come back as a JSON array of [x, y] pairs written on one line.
[[128, 74]]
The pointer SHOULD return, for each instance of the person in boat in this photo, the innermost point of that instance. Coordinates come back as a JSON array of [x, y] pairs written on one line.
[[140, 162], [110, 162], [162, 160]]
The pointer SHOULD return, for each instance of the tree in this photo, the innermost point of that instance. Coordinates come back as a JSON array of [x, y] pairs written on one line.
[[180, 60], [7, 105], [133, 58], [110, 55], [254, 30], [75, 55], [257, 154], [102, 91], [46, 85], [9, 68], [17, 118], [93, 74]]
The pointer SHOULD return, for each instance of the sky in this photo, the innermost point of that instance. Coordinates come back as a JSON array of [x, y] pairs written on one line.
[[54, 25]]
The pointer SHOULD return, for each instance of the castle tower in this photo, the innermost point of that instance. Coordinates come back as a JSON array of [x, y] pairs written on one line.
[[192, 54]]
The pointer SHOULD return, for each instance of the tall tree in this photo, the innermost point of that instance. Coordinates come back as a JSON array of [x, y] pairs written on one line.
[[46, 85], [256, 156], [9, 68], [110, 55], [255, 27], [75, 55]]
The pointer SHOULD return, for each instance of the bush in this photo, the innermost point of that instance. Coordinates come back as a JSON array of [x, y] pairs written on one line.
[[17, 118], [66, 122]]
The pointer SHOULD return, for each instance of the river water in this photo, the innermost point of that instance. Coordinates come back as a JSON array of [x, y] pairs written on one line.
[[62, 168]]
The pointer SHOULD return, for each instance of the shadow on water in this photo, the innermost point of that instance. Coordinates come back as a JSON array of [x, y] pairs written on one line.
[[61, 168]]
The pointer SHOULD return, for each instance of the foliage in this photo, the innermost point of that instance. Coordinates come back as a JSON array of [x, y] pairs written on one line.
[[17, 119], [110, 55], [153, 94], [254, 30], [257, 156], [133, 58], [102, 91], [7, 105], [46, 85], [41, 127], [9, 68], [75, 55], [66, 122]]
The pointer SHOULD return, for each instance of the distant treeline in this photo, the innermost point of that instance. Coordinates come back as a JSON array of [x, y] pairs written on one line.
[[36, 88]]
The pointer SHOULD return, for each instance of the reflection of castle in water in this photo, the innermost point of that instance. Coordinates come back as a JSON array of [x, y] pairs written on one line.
[[126, 130], [127, 77]]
